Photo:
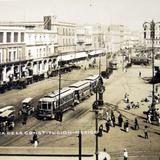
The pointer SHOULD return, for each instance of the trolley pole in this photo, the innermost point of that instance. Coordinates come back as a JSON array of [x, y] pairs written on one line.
[[59, 88], [80, 145]]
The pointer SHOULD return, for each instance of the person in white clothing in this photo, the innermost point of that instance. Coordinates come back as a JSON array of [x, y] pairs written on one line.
[[35, 143], [104, 155], [125, 155]]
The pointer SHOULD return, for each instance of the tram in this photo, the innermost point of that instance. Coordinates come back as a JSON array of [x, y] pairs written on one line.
[[49, 105], [82, 90], [93, 79]]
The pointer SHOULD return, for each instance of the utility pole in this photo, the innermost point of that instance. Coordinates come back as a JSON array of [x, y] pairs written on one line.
[[80, 145], [96, 123], [59, 93]]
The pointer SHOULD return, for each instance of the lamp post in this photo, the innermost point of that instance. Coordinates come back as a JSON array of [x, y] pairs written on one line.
[[99, 101], [96, 123], [152, 26]]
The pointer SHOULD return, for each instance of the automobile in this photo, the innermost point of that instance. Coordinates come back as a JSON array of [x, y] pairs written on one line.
[[27, 106], [7, 118]]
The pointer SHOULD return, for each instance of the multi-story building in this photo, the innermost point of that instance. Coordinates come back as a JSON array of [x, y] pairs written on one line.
[[25, 51], [147, 37], [81, 38], [90, 38], [39, 49], [65, 34], [119, 37], [12, 51]]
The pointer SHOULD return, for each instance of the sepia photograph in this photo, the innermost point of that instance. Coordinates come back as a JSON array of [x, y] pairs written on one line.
[[79, 79]]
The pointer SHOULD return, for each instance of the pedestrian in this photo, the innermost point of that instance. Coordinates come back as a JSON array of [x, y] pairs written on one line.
[[105, 155], [35, 144], [125, 154], [35, 137], [107, 116], [140, 74], [126, 126], [100, 133], [137, 105], [149, 118], [126, 97], [145, 132], [120, 120], [113, 120], [107, 126], [136, 124]]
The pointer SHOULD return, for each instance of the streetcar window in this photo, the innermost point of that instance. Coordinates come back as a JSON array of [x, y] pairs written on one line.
[[49, 106], [44, 106]]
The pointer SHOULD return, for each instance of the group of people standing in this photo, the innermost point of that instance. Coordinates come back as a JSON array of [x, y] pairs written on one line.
[[122, 122]]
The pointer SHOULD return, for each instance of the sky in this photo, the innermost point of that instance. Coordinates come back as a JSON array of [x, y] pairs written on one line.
[[132, 13]]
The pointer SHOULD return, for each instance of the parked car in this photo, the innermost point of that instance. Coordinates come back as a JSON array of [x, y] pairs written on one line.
[[7, 118], [27, 106]]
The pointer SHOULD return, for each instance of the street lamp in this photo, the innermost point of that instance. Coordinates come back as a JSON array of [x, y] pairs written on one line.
[[99, 101], [152, 26]]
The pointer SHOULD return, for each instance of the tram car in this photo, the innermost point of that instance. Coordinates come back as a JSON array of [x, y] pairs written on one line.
[[140, 60], [93, 79], [48, 106], [7, 118], [82, 90]]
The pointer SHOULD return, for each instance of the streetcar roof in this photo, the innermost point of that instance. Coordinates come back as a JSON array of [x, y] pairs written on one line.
[[55, 93], [79, 84], [27, 100], [6, 108], [93, 77], [63, 93]]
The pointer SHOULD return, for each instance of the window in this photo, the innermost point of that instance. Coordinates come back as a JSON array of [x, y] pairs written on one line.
[[22, 37], [29, 53], [44, 106], [9, 56], [8, 36], [49, 106], [1, 37], [14, 55], [66, 32], [15, 36]]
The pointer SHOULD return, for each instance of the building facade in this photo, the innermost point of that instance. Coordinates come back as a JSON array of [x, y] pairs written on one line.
[[12, 51]]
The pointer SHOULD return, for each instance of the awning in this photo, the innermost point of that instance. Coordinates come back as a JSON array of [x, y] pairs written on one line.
[[72, 56], [97, 52]]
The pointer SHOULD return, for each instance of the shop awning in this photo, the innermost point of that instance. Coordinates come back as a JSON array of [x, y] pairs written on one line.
[[72, 56]]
